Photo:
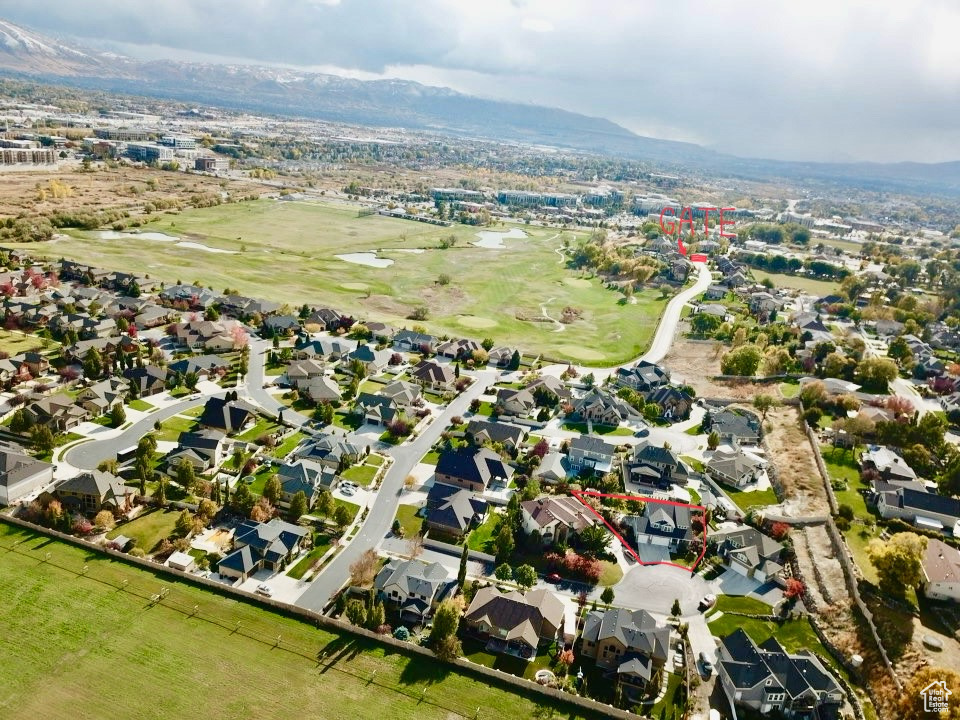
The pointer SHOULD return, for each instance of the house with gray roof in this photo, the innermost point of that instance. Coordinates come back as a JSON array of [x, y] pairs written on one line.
[[655, 467], [483, 431], [516, 624], [642, 377], [767, 679], [21, 474], [591, 453], [662, 524], [258, 546], [306, 476], [601, 407], [472, 468], [203, 449], [631, 643], [736, 467], [749, 552], [415, 587], [453, 510], [731, 425]]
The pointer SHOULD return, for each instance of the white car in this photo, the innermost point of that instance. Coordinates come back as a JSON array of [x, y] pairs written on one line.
[[348, 491], [349, 484], [264, 589]]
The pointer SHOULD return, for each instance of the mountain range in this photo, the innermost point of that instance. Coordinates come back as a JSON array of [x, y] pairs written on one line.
[[25, 54]]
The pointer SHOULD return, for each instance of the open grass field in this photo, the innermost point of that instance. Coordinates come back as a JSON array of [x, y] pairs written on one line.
[[149, 528], [492, 292], [809, 285], [14, 343], [85, 646]]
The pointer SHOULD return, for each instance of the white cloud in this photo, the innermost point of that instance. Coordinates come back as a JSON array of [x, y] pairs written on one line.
[[819, 79]]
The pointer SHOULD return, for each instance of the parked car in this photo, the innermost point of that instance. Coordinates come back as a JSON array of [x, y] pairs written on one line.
[[678, 661], [553, 578], [349, 484], [642, 432], [706, 664], [264, 589], [348, 491], [708, 602]]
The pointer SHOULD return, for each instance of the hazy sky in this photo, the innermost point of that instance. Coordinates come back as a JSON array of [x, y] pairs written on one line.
[[817, 79]]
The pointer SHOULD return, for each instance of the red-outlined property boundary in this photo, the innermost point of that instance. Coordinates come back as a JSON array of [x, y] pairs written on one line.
[[579, 495]]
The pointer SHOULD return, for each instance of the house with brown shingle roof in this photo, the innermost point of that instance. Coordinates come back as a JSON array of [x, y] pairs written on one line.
[[514, 623]]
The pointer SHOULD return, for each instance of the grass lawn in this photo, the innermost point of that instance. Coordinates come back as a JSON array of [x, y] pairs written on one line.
[[734, 603], [431, 458], [287, 446], [375, 460], [299, 241], [360, 474], [149, 528], [754, 498], [794, 635], [352, 508], [193, 412], [474, 651], [693, 462], [260, 479], [695, 430], [89, 630], [858, 537], [347, 421], [581, 427], [810, 285], [789, 390], [669, 705], [263, 426], [486, 408], [144, 406], [321, 543], [481, 538], [842, 465], [14, 343], [611, 573], [409, 520], [171, 428]]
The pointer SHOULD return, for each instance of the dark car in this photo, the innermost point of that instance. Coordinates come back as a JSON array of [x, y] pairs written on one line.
[[553, 578], [642, 432]]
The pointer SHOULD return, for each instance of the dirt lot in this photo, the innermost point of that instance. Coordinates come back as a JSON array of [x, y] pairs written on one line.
[[791, 452], [122, 187], [694, 362]]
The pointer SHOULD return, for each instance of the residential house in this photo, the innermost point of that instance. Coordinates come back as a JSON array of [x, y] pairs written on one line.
[[553, 468], [472, 468], [203, 449], [592, 454], [501, 356], [642, 377], [941, 571], [767, 679], [515, 403], [321, 389], [833, 386], [654, 466], [737, 467], [230, 416], [484, 431], [327, 318], [212, 335], [330, 450], [457, 349], [715, 292], [381, 332], [403, 393], [514, 623], [749, 552], [91, 492], [259, 546], [599, 406], [451, 510], [887, 328], [301, 371], [21, 475], [376, 409], [409, 341], [731, 425], [323, 348], [925, 510], [551, 389], [100, 398], [556, 518], [888, 463], [203, 366], [307, 476], [282, 324], [632, 643], [662, 524], [675, 404], [373, 360], [763, 305], [58, 412], [433, 376], [679, 269], [148, 380], [190, 297], [415, 587]]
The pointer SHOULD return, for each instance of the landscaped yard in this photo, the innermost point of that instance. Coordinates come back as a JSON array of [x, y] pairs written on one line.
[[143, 405], [474, 651], [581, 427], [360, 474], [813, 286], [789, 390], [431, 458], [347, 421], [14, 343], [171, 428], [352, 508], [743, 604], [752, 499], [481, 537], [148, 529], [321, 543], [263, 426], [794, 635], [409, 520], [287, 446], [610, 574], [842, 465], [76, 634]]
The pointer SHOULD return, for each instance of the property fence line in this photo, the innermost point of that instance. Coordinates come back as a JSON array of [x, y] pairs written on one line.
[[496, 677]]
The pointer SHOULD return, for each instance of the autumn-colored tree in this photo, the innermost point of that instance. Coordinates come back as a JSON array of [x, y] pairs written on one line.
[[779, 530], [263, 510], [794, 589], [898, 562], [912, 698], [364, 569], [104, 520]]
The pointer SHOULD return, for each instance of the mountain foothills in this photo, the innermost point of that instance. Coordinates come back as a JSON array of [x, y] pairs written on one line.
[[397, 103]]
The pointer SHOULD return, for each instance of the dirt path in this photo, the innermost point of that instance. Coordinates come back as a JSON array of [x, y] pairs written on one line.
[[557, 325]]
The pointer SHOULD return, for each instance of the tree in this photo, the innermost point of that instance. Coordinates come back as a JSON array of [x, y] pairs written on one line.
[[190, 380], [606, 597], [813, 394], [876, 373], [356, 613], [703, 324], [92, 364], [298, 505], [743, 360], [118, 416], [184, 524], [324, 505], [364, 569], [794, 589], [514, 361], [675, 609], [912, 699], [462, 572], [20, 421], [900, 351], [42, 439], [243, 500], [898, 562], [262, 511], [206, 509], [160, 494], [185, 475], [445, 622], [341, 517], [272, 489], [525, 576], [504, 542], [763, 404], [595, 539], [375, 616], [503, 572], [713, 440], [104, 520]]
